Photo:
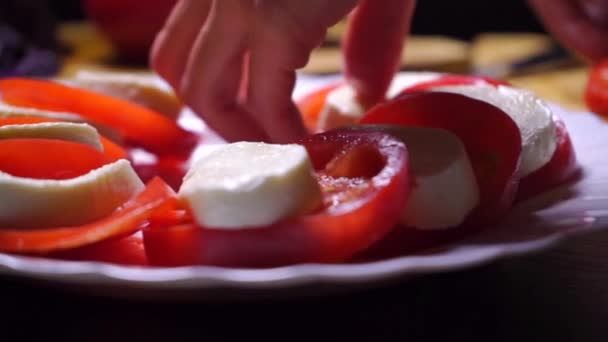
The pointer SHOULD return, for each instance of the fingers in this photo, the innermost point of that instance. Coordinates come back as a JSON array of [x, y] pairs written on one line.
[[574, 27], [272, 77], [373, 45], [596, 11], [210, 82], [174, 42]]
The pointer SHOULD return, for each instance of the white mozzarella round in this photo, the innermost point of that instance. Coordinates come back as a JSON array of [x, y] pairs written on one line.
[[31, 203], [444, 188], [343, 108], [530, 113], [247, 184]]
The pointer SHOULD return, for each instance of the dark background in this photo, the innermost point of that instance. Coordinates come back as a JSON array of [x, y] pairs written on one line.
[[461, 19]]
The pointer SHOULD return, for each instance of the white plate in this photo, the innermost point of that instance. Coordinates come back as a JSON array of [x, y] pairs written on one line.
[[532, 227]]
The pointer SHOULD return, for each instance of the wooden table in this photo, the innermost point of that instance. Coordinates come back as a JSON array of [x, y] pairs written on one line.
[[557, 295]]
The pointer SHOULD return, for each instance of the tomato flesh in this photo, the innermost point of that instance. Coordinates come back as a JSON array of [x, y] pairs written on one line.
[[139, 125], [491, 138], [126, 220], [359, 210], [596, 93], [48, 159]]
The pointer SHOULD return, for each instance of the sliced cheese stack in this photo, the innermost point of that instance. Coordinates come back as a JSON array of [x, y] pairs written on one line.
[[247, 184], [531, 114], [32, 203]]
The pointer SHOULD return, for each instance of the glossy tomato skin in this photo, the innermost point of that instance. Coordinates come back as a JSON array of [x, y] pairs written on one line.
[[563, 167], [455, 80], [490, 136], [358, 211], [596, 93]]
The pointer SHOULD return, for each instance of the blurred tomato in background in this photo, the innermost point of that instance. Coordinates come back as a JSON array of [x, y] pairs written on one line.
[[130, 25]]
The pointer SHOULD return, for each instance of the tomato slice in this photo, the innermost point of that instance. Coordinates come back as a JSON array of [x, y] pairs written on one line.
[[596, 93], [562, 167], [312, 104], [490, 136], [123, 222], [128, 251], [454, 80], [138, 124], [365, 183], [112, 150], [48, 159]]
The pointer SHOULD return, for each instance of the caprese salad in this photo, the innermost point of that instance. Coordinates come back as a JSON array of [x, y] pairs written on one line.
[[442, 156]]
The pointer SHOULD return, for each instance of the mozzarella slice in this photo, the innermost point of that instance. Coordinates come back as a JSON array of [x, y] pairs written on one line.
[[404, 80], [80, 133], [246, 184], [32, 203], [147, 90], [444, 188], [342, 107], [531, 114], [7, 111]]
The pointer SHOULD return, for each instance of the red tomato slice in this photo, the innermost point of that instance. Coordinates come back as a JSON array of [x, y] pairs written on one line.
[[490, 136], [365, 185], [311, 105], [138, 124], [112, 150], [123, 222], [48, 159], [562, 167], [454, 80], [121, 251], [596, 93]]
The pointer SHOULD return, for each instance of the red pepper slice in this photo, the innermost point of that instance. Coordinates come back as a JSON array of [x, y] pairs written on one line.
[[490, 136], [123, 222], [596, 93], [112, 150], [127, 251], [138, 124], [365, 185], [48, 159]]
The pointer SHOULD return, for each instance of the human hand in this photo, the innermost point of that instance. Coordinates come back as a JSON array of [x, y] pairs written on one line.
[[581, 25], [233, 61]]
